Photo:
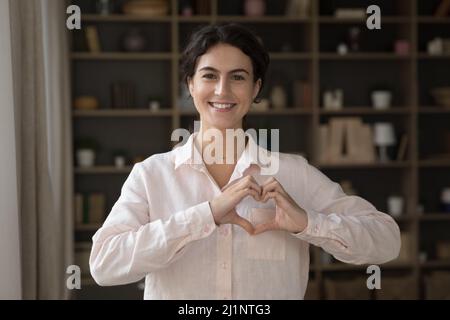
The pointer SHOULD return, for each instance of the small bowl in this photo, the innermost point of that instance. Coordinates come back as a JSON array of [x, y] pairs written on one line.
[[442, 96]]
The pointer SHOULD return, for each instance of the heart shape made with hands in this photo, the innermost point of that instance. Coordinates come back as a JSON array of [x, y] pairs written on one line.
[[289, 216]]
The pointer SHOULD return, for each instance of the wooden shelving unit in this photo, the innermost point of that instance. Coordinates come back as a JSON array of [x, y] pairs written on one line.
[[312, 57]]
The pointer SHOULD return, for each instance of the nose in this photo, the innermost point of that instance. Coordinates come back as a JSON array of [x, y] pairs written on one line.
[[222, 87]]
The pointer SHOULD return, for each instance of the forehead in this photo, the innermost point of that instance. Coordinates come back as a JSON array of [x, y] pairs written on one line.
[[224, 57]]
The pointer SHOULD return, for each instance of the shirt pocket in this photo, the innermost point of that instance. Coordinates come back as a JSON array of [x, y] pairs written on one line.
[[269, 245]]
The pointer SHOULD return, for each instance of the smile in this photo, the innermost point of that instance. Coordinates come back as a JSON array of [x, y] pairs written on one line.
[[222, 107]]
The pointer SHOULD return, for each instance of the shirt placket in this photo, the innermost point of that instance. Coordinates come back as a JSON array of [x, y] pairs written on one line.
[[224, 263], [224, 251]]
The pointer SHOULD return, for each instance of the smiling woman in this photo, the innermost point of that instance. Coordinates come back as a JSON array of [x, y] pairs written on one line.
[[228, 230]]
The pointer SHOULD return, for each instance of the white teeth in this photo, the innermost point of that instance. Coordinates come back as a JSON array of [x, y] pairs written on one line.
[[222, 105]]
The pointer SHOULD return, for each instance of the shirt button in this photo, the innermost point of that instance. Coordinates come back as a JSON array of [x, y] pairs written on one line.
[[224, 265]]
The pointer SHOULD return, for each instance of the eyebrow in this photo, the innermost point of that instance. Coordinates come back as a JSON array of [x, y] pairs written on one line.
[[215, 70]]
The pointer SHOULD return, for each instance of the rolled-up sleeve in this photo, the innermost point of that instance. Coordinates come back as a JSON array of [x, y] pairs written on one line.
[[348, 227], [129, 245]]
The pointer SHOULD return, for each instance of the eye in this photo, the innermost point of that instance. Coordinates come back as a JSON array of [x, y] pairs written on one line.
[[238, 77], [209, 76]]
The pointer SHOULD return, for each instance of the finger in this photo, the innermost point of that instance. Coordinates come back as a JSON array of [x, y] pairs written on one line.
[[253, 186], [280, 200], [263, 227], [268, 180], [256, 188], [274, 186], [249, 192], [250, 181], [244, 224], [278, 197], [228, 186], [239, 183], [270, 186]]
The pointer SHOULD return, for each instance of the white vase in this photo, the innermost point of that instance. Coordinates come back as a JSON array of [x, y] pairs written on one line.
[[381, 100], [278, 97], [395, 206], [86, 157], [119, 161]]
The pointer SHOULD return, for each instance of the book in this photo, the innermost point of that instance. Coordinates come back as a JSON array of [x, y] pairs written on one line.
[[401, 153], [443, 9], [202, 7], [336, 134], [353, 140], [78, 208], [367, 145], [92, 39], [302, 94], [323, 143], [123, 95], [350, 13], [96, 208]]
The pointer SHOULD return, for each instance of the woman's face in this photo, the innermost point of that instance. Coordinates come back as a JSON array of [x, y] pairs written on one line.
[[222, 87]]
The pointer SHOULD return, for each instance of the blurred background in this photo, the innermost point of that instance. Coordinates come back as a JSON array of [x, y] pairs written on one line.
[[369, 107]]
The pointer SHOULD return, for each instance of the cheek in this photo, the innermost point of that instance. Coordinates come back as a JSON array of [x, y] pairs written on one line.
[[245, 92]]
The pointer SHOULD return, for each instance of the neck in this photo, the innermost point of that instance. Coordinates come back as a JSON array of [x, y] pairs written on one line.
[[222, 146]]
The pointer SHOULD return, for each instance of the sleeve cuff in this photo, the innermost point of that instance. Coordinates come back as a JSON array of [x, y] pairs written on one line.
[[201, 221], [312, 229]]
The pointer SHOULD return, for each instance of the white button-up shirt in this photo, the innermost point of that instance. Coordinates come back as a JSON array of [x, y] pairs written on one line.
[[162, 228]]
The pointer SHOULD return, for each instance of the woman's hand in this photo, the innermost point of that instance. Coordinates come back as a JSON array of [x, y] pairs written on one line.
[[223, 206], [288, 215]]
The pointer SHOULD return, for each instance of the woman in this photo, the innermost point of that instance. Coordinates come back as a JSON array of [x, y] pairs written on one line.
[[214, 230]]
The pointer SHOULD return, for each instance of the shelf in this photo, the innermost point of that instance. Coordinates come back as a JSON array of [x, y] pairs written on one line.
[[122, 113], [124, 18], [121, 56], [384, 19], [103, 170], [87, 227], [366, 111], [195, 19], [434, 110], [349, 267], [290, 55], [388, 165], [270, 112], [435, 217], [434, 163], [433, 19], [283, 56], [88, 281], [435, 264], [264, 19], [426, 56], [364, 56]]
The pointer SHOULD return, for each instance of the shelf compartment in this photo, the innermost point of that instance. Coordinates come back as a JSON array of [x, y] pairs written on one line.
[[123, 113]]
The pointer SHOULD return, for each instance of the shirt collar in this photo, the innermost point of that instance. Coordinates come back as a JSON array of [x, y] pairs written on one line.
[[190, 155]]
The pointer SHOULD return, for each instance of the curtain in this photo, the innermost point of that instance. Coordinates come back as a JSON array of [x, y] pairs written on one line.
[[43, 131], [10, 284]]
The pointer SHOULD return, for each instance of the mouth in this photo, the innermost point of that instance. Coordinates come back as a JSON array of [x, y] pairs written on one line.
[[222, 107]]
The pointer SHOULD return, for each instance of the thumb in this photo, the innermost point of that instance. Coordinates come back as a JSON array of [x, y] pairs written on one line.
[[243, 223], [266, 226]]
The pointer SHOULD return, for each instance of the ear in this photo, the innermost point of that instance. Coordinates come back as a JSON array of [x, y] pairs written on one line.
[[256, 88]]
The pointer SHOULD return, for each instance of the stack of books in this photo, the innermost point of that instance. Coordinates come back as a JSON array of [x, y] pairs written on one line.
[[123, 95]]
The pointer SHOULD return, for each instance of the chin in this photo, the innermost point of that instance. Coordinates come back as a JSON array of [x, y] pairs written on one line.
[[223, 124]]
